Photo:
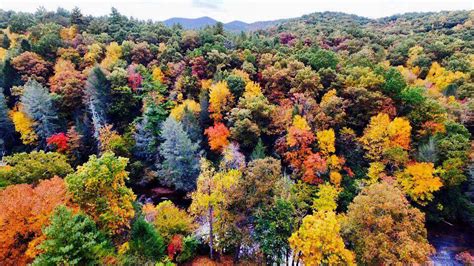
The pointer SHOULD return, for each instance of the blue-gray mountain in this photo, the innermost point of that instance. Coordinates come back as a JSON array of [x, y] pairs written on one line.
[[236, 25]]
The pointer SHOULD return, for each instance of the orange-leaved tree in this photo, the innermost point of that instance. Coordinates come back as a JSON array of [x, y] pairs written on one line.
[[25, 211]]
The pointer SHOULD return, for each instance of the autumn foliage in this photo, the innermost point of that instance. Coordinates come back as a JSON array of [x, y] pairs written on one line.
[[59, 142], [25, 211], [218, 136], [329, 139]]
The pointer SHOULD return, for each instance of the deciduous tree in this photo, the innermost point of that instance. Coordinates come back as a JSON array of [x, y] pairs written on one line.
[[220, 99], [210, 199], [33, 167], [98, 187], [419, 181], [218, 136], [25, 211], [383, 227]]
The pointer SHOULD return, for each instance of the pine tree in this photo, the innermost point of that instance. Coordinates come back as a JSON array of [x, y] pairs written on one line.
[[259, 151], [72, 239], [98, 96], [191, 126], [77, 18], [144, 139], [98, 91], [180, 166], [39, 106], [6, 125]]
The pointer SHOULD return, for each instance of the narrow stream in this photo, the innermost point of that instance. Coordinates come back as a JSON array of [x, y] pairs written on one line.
[[449, 241]]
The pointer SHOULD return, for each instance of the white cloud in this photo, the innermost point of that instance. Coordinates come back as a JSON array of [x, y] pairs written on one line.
[[207, 4], [246, 10]]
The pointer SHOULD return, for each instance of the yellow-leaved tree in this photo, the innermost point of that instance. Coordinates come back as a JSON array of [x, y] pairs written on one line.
[[93, 54], [157, 75], [212, 196], [220, 99], [24, 125], [252, 89], [113, 53], [326, 140], [382, 135], [168, 219], [441, 77], [375, 172], [191, 105], [318, 240], [418, 180]]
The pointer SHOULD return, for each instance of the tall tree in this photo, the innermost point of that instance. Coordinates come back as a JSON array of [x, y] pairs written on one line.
[[38, 105], [273, 227], [210, 199], [98, 96], [6, 125], [318, 240], [180, 165], [77, 18]]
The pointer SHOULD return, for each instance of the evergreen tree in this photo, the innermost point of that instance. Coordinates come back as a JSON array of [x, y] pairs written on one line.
[[145, 242], [6, 126], [9, 76], [77, 18], [72, 239], [38, 105], [259, 151], [180, 165], [144, 139], [191, 126], [98, 96]]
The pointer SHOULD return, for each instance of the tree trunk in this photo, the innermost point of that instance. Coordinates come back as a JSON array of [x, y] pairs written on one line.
[[211, 235], [237, 253]]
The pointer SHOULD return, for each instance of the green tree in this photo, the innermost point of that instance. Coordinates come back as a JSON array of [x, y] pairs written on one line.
[[145, 242], [259, 151], [72, 239], [394, 83], [21, 21], [98, 187], [6, 125], [273, 227], [33, 167], [38, 105], [236, 85], [180, 165]]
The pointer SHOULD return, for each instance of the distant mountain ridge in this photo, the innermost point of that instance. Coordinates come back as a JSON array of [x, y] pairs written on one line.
[[236, 25]]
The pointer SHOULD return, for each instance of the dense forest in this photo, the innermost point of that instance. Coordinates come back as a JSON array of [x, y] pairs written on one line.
[[328, 139]]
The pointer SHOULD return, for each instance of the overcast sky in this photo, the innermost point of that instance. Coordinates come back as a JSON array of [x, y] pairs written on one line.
[[245, 10]]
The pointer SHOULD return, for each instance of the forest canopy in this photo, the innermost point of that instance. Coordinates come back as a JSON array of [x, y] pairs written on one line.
[[324, 139]]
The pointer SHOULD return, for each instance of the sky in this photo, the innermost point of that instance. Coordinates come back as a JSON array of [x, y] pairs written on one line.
[[244, 10]]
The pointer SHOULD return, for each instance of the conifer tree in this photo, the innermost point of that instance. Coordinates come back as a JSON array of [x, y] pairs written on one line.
[[38, 105], [98, 96], [6, 125], [180, 165]]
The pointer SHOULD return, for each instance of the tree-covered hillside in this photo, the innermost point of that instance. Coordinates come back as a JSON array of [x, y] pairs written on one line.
[[329, 139]]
